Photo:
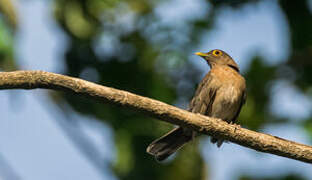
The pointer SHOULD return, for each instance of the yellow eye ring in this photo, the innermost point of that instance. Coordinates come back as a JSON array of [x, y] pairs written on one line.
[[217, 53]]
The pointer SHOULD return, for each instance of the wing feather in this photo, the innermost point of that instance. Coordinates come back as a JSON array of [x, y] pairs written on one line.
[[204, 97]]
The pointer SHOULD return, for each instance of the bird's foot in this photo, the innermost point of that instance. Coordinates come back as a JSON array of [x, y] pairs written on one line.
[[237, 126]]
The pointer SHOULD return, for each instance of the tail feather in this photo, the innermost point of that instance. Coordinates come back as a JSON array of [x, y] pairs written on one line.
[[169, 143]]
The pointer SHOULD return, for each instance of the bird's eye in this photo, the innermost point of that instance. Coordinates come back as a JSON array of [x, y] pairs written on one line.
[[217, 53]]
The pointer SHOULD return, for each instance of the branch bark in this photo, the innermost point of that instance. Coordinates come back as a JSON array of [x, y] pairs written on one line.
[[162, 111]]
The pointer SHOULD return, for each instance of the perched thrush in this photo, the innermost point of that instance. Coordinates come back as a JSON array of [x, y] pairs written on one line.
[[221, 94]]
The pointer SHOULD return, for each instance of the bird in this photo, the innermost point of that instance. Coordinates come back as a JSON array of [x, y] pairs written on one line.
[[221, 94]]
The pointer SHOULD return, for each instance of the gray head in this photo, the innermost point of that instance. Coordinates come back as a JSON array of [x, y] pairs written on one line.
[[218, 57]]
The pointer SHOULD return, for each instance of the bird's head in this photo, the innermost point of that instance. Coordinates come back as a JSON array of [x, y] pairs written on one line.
[[218, 57]]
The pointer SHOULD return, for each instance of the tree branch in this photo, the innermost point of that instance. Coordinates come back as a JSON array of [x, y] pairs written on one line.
[[203, 124]]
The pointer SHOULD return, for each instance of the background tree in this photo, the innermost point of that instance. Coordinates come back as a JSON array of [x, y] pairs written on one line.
[[139, 46]]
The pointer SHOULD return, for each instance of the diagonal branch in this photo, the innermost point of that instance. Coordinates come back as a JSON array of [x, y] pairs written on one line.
[[162, 111]]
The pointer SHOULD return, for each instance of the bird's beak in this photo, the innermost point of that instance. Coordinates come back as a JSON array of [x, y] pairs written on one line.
[[201, 54]]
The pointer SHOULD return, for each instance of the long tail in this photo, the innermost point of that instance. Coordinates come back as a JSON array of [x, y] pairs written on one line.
[[166, 145]]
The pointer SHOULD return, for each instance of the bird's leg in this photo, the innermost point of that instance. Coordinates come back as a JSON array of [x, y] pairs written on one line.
[[236, 126], [190, 133]]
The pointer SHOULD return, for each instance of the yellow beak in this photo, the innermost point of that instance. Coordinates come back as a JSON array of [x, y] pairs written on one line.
[[201, 54]]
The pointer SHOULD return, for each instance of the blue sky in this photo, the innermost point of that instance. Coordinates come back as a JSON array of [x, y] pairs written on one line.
[[35, 146]]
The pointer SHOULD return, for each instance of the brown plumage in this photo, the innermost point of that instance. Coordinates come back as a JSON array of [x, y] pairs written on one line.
[[221, 94]]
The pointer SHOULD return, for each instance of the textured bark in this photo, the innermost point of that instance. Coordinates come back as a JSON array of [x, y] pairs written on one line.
[[203, 124]]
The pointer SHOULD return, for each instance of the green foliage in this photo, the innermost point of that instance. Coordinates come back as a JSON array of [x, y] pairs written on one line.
[[124, 44], [129, 47], [258, 97], [7, 27]]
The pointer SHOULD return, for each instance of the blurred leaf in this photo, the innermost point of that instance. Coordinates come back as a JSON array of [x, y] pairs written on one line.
[[7, 27], [7, 9]]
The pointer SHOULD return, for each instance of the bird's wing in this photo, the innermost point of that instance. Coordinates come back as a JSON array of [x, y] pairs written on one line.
[[204, 96], [243, 101]]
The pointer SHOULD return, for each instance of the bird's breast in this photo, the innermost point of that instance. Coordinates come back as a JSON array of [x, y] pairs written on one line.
[[229, 94], [226, 103]]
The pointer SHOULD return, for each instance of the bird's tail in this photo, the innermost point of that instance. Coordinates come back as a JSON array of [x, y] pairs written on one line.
[[169, 143]]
